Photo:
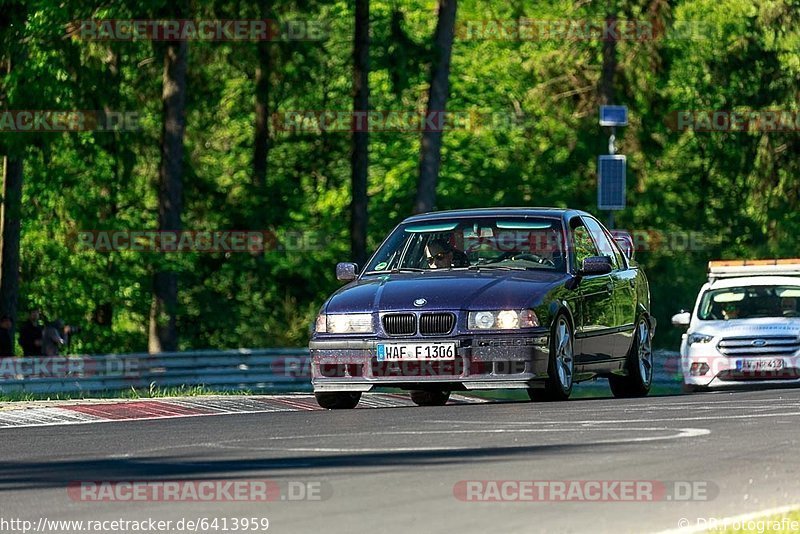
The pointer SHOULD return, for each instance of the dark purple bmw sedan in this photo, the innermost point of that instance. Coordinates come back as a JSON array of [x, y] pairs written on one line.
[[530, 298]]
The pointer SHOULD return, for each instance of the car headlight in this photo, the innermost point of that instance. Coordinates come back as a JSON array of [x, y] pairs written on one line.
[[345, 323], [502, 320], [698, 338]]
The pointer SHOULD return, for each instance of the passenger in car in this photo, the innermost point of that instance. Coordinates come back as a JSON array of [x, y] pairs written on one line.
[[730, 311]]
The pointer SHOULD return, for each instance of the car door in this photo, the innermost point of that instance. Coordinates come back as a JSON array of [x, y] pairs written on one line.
[[624, 287], [594, 328]]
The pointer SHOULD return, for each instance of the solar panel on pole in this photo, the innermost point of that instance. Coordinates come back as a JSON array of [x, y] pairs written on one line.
[[613, 115], [611, 182]]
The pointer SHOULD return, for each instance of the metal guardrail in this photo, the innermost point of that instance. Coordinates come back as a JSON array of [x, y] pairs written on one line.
[[255, 370]]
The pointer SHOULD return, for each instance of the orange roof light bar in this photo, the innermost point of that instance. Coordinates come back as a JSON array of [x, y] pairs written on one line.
[[744, 263], [732, 268]]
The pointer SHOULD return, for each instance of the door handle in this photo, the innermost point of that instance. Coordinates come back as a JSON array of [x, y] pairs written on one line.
[[632, 282], [610, 286]]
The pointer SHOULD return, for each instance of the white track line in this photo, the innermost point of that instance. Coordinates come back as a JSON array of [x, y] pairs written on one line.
[[681, 433]]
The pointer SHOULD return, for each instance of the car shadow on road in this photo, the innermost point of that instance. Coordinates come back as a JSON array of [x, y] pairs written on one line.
[[54, 474]]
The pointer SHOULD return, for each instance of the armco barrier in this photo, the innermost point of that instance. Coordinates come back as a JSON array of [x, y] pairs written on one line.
[[255, 370]]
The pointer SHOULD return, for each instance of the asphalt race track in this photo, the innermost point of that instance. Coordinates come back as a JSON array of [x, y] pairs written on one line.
[[404, 469]]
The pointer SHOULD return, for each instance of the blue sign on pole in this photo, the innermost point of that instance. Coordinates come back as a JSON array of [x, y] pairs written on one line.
[[611, 182]]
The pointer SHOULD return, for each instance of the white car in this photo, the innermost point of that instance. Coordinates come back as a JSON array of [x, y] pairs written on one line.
[[745, 327]]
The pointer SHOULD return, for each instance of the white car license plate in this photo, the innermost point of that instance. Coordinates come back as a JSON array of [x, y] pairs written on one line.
[[760, 364], [416, 351]]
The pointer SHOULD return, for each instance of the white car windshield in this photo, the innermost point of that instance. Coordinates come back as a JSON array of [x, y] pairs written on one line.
[[749, 302]]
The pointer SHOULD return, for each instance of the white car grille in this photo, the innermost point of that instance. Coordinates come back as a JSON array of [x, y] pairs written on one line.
[[759, 346]]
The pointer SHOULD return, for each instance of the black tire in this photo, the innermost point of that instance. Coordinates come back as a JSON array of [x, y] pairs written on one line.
[[429, 398], [558, 386], [639, 364], [340, 400]]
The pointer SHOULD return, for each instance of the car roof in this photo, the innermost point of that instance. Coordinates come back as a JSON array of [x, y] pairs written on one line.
[[561, 213], [755, 281]]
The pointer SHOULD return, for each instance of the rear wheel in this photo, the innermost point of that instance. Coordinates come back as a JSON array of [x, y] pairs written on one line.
[[561, 365], [340, 400], [639, 363], [429, 398]]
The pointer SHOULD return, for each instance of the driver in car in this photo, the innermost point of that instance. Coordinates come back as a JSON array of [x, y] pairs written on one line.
[[440, 254]]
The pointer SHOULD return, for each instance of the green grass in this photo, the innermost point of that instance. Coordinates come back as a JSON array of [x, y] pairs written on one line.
[[132, 393], [777, 524]]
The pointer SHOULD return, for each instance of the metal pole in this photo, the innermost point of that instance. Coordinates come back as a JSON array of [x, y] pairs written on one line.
[[612, 149]]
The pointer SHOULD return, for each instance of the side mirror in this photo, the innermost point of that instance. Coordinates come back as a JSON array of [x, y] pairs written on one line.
[[625, 242], [346, 271], [682, 319], [596, 265]]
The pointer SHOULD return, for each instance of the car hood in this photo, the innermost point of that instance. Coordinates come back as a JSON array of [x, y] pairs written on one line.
[[761, 326], [446, 290]]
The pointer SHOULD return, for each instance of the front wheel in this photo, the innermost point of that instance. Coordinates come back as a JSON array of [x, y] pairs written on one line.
[[340, 400], [429, 398], [639, 363], [561, 365]]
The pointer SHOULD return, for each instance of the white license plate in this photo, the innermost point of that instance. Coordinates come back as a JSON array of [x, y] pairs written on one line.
[[416, 351], [760, 364]]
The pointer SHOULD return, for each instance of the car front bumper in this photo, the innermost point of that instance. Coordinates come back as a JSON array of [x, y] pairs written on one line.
[[707, 367], [481, 362]]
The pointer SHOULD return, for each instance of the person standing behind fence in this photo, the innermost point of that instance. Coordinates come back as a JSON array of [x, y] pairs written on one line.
[[51, 338], [6, 338], [30, 335]]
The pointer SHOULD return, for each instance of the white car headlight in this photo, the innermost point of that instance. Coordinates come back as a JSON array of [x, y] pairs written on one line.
[[698, 338], [345, 323], [502, 320], [483, 319]]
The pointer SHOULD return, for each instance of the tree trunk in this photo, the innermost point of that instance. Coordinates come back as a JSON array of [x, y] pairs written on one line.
[[430, 151], [163, 312], [11, 214], [360, 155], [261, 139], [609, 65], [12, 206]]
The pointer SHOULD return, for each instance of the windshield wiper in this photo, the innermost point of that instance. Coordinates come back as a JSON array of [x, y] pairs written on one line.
[[500, 267]]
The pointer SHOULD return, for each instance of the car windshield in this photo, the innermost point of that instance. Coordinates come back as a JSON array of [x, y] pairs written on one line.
[[512, 243], [749, 302]]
